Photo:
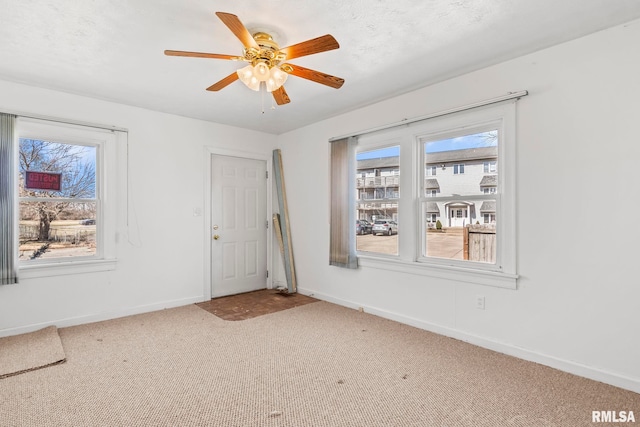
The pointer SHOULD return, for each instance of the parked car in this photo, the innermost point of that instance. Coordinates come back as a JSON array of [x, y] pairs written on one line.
[[88, 222], [363, 226], [384, 226]]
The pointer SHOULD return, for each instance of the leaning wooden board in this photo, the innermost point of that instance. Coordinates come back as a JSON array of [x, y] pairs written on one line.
[[285, 229], [277, 228]]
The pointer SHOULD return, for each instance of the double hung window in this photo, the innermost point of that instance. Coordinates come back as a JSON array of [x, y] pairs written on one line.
[[66, 210], [490, 167], [59, 203], [458, 224], [458, 169]]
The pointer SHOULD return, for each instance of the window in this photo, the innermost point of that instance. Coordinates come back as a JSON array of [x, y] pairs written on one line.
[[446, 227], [381, 210], [489, 218], [490, 167], [58, 206], [464, 239], [64, 221]]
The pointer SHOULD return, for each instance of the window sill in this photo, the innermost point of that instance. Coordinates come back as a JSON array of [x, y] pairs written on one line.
[[477, 277], [65, 268]]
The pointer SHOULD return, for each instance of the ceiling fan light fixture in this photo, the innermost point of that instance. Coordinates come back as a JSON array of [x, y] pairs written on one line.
[[248, 77], [261, 71], [266, 60], [277, 77]]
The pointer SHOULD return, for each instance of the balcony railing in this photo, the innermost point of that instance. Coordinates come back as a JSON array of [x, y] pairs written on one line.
[[379, 196], [376, 206], [378, 181]]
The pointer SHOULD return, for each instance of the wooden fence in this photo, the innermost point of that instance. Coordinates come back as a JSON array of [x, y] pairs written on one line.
[[63, 234], [480, 242]]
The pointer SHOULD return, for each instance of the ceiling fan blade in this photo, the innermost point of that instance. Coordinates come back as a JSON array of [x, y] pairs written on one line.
[[317, 45], [200, 55], [280, 95], [224, 82], [313, 75], [238, 29]]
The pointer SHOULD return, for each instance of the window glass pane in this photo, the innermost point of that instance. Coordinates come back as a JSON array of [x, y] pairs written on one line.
[[378, 191], [58, 207], [460, 222], [65, 236]]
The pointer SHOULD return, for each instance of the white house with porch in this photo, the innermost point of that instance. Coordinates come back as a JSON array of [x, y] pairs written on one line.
[[467, 172]]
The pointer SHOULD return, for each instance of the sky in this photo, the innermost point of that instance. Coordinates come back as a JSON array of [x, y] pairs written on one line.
[[483, 139]]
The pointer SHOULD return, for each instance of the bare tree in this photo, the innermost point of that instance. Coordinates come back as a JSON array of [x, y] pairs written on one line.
[[78, 178], [490, 138]]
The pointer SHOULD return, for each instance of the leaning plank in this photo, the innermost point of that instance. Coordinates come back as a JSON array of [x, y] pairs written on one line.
[[277, 228], [285, 228]]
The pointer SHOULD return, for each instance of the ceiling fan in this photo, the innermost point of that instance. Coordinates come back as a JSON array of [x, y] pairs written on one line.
[[267, 67]]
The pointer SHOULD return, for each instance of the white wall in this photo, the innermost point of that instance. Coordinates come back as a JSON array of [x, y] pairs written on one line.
[[160, 254], [577, 306]]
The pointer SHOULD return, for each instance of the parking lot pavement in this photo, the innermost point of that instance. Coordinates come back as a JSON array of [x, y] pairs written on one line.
[[440, 244], [377, 244], [445, 244]]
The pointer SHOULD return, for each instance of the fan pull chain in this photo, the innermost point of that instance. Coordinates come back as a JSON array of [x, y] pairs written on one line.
[[263, 90]]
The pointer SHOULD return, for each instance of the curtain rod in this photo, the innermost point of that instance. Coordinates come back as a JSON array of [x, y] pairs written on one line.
[[508, 96], [64, 121]]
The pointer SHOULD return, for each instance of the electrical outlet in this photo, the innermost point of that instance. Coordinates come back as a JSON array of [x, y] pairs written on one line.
[[480, 302]]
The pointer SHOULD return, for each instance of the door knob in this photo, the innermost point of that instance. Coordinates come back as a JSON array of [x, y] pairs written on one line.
[[216, 237]]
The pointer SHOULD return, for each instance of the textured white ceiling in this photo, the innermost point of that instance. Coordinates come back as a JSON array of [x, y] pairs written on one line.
[[113, 49]]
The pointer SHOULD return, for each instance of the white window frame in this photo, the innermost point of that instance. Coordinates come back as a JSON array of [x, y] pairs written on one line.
[[107, 173], [490, 167], [412, 205]]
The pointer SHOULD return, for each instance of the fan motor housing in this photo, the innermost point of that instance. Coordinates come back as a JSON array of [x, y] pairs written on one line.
[[268, 53]]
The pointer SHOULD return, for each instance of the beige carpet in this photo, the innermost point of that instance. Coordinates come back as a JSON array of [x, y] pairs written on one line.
[[27, 352], [314, 365]]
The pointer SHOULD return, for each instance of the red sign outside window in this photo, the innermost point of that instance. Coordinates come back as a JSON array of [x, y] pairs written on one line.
[[43, 180]]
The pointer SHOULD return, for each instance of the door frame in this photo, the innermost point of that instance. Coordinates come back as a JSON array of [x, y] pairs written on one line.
[[209, 152]]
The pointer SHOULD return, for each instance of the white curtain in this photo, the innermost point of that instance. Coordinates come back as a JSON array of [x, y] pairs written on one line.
[[8, 253], [342, 250]]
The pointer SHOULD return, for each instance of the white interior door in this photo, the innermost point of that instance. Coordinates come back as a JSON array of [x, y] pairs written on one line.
[[239, 225]]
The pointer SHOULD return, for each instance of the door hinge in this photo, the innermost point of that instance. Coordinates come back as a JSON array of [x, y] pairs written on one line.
[[267, 274], [266, 174], [267, 223]]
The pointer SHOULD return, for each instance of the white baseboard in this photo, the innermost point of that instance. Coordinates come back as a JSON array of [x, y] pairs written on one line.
[[80, 320], [627, 383]]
